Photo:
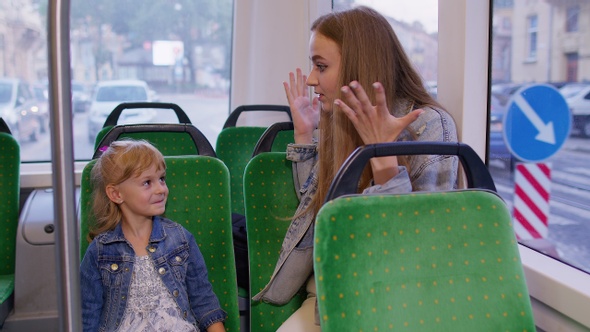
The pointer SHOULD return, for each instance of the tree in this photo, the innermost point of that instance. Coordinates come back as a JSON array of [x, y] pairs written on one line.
[[190, 21]]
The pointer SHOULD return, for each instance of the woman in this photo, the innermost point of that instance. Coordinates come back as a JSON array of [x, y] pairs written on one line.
[[367, 92]]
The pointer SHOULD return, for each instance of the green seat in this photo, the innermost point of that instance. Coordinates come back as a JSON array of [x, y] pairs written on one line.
[[235, 147], [270, 202], [113, 118], [445, 261], [199, 200], [420, 262], [9, 213]]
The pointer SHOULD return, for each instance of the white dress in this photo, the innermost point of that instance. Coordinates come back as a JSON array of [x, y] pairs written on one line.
[[150, 307]]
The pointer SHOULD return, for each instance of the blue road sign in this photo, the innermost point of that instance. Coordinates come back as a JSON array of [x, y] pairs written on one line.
[[537, 122]]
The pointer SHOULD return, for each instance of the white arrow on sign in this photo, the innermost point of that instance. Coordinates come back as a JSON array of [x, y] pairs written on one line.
[[546, 131]]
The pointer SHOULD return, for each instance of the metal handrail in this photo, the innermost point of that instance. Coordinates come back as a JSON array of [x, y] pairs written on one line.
[[66, 226]]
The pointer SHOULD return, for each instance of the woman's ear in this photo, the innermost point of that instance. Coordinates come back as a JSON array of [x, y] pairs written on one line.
[[114, 194]]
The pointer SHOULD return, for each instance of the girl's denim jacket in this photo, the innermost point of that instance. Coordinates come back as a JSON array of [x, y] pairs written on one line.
[[427, 173], [106, 270]]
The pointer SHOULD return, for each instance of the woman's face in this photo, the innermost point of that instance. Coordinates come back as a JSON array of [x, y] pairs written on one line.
[[325, 56]]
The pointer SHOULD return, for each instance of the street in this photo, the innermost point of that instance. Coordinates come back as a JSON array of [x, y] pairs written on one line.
[[569, 201]]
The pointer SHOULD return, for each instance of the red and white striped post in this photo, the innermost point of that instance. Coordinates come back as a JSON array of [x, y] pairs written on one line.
[[532, 184]]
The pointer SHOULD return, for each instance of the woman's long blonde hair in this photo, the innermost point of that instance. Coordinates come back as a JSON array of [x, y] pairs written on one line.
[[370, 52], [120, 161]]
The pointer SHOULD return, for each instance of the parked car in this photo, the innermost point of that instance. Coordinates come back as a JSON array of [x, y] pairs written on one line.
[[432, 88], [80, 97], [108, 94], [26, 116], [577, 96], [504, 91], [498, 148]]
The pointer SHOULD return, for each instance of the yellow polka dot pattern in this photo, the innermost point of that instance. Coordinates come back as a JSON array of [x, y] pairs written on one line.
[[199, 200], [169, 143], [270, 202], [9, 202], [420, 262], [235, 146]]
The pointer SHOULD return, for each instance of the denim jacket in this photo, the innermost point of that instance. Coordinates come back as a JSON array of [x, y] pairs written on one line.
[[427, 173], [106, 270]]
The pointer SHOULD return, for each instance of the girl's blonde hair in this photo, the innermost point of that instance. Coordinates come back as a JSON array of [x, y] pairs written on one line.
[[122, 160], [370, 52]]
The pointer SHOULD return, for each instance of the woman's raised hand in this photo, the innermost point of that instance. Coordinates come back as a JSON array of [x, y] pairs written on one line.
[[305, 113], [374, 123]]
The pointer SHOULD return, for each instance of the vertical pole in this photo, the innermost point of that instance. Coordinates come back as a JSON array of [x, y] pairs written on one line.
[[66, 239]]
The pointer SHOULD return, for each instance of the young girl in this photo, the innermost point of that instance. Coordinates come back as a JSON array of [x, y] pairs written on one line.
[[366, 92], [142, 272]]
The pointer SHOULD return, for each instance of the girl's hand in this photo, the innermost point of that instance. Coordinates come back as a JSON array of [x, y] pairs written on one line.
[[373, 123], [306, 114], [216, 327]]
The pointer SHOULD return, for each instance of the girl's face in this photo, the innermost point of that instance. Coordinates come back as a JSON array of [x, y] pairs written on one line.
[[325, 56], [143, 196]]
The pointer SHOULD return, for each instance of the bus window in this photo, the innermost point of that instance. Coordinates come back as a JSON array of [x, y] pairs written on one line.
[[534, 43], [180, 50]]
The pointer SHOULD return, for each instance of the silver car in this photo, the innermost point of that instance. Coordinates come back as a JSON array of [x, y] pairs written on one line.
[[108, 94], [26, 116]]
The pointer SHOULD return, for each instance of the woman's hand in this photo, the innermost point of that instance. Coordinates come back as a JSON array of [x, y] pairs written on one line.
[[374, 123], [306, 114]]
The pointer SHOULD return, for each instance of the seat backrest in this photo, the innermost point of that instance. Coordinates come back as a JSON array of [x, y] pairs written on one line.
[[9, 213], [444, 261], [9, 197], [275, 138], [232, 119], [420, 262], [235, 147], [172, 139], [199, 200], [113, 118], [270, 202]]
